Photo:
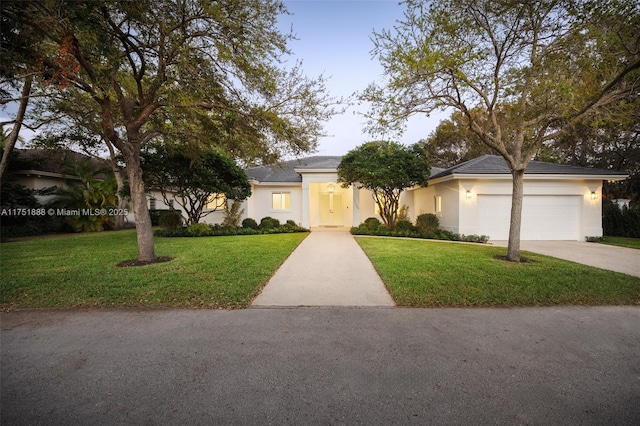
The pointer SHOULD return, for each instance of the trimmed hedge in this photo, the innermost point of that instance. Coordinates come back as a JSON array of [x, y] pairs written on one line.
[[205, 230]]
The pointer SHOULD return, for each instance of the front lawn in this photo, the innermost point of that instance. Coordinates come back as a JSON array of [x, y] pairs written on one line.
[[622, 242], [80, 271], [429, 273]]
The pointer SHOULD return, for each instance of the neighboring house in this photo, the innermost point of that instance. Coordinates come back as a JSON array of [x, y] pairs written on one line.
[[560, 202]]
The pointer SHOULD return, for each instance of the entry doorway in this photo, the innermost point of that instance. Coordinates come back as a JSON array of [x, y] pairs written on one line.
[[331, 213]]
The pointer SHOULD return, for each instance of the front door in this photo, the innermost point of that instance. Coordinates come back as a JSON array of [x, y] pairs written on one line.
[[331, 210]]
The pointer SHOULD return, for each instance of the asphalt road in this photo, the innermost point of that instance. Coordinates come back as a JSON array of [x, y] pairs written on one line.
[[568, 365]]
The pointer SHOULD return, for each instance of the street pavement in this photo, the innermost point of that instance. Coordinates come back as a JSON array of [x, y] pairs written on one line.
[[329, 366]]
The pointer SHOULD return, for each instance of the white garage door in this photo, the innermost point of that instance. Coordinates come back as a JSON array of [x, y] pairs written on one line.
[[544, 217]]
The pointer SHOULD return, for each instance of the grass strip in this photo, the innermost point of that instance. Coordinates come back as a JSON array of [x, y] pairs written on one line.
[[633, 243], [436, 274], [80, 271]]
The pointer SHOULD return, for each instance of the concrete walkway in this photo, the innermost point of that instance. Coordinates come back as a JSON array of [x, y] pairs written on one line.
[[619, 259], [327, 269]]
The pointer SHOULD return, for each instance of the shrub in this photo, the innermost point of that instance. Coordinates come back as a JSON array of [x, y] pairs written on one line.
[[269, 223], [427, 224], [170, 220], [620, 222], [372, 223], [404, 225], [403, 213], [199, 229], [232, 215], [249, 223]]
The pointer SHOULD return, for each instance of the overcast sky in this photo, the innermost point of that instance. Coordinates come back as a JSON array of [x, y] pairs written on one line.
[[334, 39]]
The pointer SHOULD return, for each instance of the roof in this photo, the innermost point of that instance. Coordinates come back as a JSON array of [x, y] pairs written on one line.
[[286, 171], [495, 164], [56, 161]]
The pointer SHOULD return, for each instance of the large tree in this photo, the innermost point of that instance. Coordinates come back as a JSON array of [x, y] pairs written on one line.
[[189, 67], [210, 178], [535, 69], [452, 142], [386, 169]]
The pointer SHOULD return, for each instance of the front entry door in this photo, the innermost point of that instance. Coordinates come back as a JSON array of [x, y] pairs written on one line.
[[331, 210]]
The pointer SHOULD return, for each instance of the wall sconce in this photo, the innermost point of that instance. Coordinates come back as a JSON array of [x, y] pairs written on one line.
[[468, 194], [594, 195], [331, 188]]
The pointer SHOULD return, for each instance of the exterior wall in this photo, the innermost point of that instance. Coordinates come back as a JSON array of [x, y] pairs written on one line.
[[460, 213], [259, 204], [424, 202], [38, 181]]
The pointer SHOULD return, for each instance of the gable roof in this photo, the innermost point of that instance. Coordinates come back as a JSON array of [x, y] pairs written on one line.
[[286, 171], [495, 164]]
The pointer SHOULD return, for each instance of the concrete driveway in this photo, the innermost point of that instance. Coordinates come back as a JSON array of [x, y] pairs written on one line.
[[322, 366], [619, 259]]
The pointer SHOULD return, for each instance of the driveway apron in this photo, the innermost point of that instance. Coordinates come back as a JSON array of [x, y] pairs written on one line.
[[327, 269], [603, 256]]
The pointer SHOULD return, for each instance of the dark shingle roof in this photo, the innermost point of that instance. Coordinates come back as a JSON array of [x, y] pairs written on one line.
[[486, 164], [494, 164], [286, 171]]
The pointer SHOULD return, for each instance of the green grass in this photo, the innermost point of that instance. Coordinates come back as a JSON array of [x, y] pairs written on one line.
[[81, 271], [622, 242], [428, 273]]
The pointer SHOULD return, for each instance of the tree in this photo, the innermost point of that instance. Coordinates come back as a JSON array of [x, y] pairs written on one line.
[[534, 69], [453, 143], [386, 169], [191, 68], [95, 191], [195, 182]]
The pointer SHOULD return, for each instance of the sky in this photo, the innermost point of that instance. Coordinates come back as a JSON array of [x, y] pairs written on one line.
[[334, 39]]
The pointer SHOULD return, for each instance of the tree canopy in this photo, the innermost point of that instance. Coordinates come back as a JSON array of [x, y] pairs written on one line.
[[194, 183], [534, 70], [385, 168], [198, 71]]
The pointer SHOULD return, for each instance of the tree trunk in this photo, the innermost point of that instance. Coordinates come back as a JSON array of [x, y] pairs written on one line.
[[122, 200], [15, 132], [146, 252], [513, 249]]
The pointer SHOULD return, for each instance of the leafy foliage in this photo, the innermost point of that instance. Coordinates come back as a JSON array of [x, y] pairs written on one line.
[[193, 182], [96, 191], [427, 224], [533, 69], [620, 222], [249, 223], [194, 71], [233, 214], [385, 168]]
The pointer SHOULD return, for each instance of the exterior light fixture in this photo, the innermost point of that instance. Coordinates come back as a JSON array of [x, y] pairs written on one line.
[[331, 188], [468, 195], [594, 195]]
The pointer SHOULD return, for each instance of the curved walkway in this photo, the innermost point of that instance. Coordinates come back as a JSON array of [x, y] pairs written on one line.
[[327, 269], [613, 258]]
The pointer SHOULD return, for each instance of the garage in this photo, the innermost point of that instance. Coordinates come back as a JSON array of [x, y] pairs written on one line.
[[544, 217]]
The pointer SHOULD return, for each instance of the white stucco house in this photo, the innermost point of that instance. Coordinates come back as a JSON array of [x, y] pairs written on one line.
[[560, 202]]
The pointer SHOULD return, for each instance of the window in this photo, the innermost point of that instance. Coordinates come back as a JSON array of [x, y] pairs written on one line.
[[281, 200], [216, 202], [152, 203], [437, 203]]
